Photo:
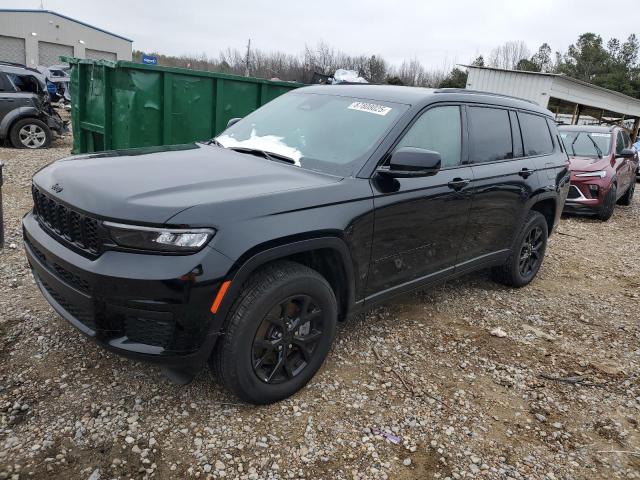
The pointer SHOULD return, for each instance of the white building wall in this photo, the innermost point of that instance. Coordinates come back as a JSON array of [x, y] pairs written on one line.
[[52, 28], [540, 87], [529, 87]]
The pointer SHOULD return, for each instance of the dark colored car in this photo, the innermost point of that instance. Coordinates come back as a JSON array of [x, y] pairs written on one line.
[[27, 118], [603, 168], [246, 250]]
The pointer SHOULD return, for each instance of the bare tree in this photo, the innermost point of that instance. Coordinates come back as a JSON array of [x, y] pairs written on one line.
[[508, 56]]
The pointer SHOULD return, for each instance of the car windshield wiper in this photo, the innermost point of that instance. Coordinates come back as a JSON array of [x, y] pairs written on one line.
[[595, 145], [215, 142], [572, 147], [276, 157]]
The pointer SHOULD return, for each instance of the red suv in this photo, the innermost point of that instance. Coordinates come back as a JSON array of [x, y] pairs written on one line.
[[603, 168]]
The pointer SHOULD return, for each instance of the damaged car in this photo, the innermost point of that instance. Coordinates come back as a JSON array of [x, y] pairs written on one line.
[[27, 119]]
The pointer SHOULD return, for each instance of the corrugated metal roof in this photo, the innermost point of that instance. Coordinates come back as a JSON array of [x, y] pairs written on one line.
[[25, 10], [541, 86]]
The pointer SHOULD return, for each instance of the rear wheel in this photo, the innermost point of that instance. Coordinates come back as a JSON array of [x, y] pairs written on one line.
[[527, 253], [627, 198], [608, 204], [279, 332], [30, 133]]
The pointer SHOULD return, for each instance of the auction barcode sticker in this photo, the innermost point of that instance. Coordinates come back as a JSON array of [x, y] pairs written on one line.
[[370, 107]]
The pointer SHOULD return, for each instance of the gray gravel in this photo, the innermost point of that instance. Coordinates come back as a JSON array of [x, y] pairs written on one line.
[[419, 388]]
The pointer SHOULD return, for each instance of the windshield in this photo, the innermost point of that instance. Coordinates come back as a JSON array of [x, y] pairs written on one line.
[[328, 133], [586, 144]]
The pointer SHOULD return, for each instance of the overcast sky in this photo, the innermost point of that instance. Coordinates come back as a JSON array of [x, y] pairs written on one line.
[[436, 33]]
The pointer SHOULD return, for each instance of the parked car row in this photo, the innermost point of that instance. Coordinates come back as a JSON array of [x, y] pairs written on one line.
[[604, 165]]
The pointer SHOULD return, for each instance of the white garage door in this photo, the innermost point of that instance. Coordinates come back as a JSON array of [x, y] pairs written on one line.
[[12, 49], [49, 53], [100, 55]]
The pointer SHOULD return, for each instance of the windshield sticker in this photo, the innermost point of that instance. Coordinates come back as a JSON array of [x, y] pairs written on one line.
[[370, 108]]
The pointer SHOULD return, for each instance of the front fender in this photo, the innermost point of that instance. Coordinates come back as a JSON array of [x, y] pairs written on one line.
[[257, 257]]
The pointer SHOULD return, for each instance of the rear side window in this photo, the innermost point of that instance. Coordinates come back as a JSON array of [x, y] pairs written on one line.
[[535, 134], [627, 139], [489, 134], [438, 129]]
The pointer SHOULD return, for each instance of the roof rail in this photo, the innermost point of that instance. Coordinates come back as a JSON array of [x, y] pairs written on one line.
[[465, 90], [13, 64]]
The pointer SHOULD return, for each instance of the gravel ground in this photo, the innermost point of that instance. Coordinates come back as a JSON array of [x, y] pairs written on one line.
[[418, 388]]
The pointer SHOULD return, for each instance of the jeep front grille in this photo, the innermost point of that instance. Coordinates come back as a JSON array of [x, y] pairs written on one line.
[[80, 230]]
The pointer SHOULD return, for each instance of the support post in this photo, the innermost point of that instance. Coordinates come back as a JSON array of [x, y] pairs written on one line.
[[576, 114], [636, 130]]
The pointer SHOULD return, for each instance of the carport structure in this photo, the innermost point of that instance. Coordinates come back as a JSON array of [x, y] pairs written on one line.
[[560, 94]]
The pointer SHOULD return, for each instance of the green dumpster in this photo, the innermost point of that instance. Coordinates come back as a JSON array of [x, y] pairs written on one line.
[[122, 104]]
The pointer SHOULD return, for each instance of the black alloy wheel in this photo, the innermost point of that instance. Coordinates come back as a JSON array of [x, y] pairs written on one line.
[[286, 340], [278, 332], [531, 252]]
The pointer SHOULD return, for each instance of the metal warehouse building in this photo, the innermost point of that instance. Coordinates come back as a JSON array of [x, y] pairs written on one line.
[[560, 94], [39, 37]]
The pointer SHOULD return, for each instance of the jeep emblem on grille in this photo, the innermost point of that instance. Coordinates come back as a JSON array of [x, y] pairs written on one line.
[[56, 187]]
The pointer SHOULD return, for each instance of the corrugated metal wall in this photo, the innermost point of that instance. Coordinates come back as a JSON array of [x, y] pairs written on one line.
[[100, 55], [50, 53], [530, 87], [12, 49]]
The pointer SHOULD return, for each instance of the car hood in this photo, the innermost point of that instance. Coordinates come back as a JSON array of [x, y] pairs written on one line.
[[586, 164], [151, 185]]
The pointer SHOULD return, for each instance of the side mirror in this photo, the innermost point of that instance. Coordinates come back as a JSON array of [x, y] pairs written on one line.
[[627, 153], [233, 121], [412, 162]]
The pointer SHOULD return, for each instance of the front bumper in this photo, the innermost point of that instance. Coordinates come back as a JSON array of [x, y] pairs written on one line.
[[148, 307], [586, 194]]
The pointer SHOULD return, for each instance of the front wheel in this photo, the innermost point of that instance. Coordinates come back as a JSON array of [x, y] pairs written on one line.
[[608, 203], [30, 133], [527, 253], [279, 332]]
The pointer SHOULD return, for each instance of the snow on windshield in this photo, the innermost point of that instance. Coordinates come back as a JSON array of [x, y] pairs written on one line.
[[267, 143]]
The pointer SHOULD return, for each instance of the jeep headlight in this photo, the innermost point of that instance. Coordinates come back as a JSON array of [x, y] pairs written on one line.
[[159, 239]]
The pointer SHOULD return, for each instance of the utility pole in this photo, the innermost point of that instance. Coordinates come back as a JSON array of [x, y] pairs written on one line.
[[246, 62], [41, 4]]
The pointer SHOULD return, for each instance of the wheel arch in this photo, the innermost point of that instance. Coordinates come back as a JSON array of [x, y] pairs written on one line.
[[320, 254], [548, 208], [14, 115]]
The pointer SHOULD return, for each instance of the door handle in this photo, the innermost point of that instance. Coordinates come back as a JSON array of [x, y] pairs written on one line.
[[458, 183], [525, 172]]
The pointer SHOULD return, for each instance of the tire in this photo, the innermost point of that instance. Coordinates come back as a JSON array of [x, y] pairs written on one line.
[[608, 204], [30, 133], [627, 198], [529, 246], [261, 334]]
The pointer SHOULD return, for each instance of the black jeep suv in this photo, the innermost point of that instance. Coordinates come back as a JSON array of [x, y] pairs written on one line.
[[246, 250]]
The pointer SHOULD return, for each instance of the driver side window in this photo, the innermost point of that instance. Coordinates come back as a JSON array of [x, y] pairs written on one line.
[[438, 129]]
